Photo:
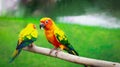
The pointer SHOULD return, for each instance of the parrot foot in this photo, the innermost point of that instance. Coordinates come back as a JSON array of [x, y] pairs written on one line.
[[31, 45], [52, 50], [56, 53]]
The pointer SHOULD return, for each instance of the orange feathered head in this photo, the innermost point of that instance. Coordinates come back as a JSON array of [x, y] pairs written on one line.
[[46, 23]]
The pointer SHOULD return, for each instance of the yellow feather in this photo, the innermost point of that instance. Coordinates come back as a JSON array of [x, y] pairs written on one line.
[[62, 47], [73, 52], [15, 53], [29, 31]]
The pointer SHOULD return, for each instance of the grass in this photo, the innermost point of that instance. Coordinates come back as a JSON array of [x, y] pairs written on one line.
[[91, 42]]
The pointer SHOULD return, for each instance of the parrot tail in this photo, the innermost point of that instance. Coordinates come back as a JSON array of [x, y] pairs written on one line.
[[15, 54], [71, 50]]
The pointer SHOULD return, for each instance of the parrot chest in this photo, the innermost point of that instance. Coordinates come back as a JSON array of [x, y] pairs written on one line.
[[51, 38]]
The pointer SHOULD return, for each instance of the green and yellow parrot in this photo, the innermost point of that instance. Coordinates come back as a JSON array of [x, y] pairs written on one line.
[[26, 37], [56, 36]]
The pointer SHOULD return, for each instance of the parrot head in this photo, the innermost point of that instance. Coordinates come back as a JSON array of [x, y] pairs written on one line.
[[30, 25], [46, 23]]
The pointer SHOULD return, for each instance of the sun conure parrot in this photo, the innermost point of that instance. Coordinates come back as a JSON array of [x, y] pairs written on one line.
[[56, 36], [26, 37]]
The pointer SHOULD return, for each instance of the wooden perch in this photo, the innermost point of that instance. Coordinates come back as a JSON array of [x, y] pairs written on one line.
[[72, 58]]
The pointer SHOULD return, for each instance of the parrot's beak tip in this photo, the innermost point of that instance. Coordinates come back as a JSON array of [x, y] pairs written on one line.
[[42, 26]]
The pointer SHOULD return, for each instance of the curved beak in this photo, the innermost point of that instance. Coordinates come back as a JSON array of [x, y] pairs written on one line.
[[42, 25]]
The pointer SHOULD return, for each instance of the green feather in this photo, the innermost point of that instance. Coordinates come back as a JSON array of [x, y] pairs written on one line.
[[64, 41]]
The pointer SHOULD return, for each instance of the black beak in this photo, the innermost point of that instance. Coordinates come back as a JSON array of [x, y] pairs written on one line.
[[42, 25]]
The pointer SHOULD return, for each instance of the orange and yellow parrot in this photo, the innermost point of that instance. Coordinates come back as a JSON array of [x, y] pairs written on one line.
[[26, 37], [56, 36]]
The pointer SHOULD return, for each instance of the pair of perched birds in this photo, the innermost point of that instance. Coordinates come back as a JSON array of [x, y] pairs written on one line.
[[53, 34]]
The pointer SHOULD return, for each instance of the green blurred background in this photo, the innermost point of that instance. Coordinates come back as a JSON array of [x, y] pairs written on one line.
[[89, 41]]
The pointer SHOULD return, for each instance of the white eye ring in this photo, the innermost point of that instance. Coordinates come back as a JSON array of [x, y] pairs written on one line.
[[46, 21]]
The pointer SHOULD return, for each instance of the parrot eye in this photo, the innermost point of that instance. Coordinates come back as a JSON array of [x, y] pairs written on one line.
[[34, 26], [46, 21]]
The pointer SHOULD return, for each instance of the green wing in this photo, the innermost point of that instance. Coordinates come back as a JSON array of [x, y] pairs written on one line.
[[26, 42], [61, 37], [21, 45]]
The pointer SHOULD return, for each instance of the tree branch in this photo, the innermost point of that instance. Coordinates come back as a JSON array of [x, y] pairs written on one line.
[[72, 58]]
